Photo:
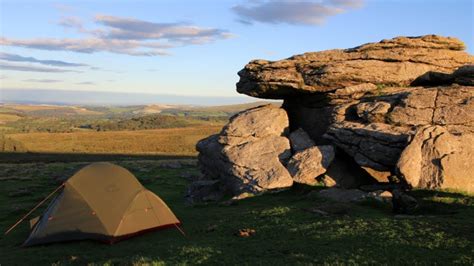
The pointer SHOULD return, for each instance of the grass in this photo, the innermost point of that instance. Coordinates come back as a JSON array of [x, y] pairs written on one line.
[[49, 109], [176, 141], [5, 118], [286, 232]]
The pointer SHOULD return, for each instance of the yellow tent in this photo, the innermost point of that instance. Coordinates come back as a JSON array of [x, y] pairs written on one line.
[[103, 202]]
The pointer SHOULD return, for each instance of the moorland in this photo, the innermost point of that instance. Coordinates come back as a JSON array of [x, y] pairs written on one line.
[[293, 226]]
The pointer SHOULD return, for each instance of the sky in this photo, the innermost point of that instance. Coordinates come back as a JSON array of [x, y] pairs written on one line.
[[195, 47]]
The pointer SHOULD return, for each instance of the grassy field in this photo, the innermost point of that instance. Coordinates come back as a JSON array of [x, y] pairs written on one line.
[[287, 231], [172, 141], [48, 109], [5, 118]]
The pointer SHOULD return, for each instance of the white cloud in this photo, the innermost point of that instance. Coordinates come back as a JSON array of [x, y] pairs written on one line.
[[124, 36], [86, 83], [42, 80], [71, 22], [134, 29], [89, 45], [292, 12], [19, 58], [30, 68]]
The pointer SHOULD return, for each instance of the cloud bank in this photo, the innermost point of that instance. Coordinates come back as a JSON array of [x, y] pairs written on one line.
[[292, 12], [19, 58], [85, 83], [123, 35], [42, 80], [28, 68]]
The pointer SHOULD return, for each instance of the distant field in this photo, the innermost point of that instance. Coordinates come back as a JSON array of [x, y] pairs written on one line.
[[172, 141], [26, 118], [5, 118], [48, 110]]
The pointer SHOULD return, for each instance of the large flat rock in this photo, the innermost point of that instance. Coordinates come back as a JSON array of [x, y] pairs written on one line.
[[398, 61]]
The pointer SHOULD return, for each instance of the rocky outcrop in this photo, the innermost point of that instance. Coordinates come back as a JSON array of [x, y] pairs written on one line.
[[436, 158], [252, 154], [397, 61], [400, 109], [381, 125], [248, 155]]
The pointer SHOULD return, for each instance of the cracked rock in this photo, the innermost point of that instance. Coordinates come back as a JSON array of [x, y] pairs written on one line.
[[248, 156], [308, 164], [437, 159]]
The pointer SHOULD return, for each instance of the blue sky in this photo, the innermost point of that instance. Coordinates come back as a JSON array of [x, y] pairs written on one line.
[[195, 47]]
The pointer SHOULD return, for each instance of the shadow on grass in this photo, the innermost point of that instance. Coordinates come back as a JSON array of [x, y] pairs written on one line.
[[433, 202], [28, 157]]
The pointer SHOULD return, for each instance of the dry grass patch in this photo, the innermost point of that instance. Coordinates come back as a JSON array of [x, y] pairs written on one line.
[[177, 141], [5, 118]]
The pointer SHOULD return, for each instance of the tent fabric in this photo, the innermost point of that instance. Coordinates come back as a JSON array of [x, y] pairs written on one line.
[[103, 202]]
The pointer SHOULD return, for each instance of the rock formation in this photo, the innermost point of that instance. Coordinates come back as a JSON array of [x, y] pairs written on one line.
[[398, 61], [248, 155], [403, 106]]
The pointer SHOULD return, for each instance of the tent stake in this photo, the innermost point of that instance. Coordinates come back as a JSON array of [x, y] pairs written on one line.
[[180, 230], [34, 208]]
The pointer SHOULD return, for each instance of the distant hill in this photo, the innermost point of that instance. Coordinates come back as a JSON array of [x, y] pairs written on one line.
[[43, 110], [214, 111], [70, 97], [234, 108], [46, 110], [71, 118]]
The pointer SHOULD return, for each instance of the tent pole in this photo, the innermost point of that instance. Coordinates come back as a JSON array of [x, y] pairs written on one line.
[[34, 208]]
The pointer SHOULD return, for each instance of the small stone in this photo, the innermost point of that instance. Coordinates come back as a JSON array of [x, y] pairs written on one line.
[[343, 195], [373, 112], [308, 164], [247, 232], [242, 196], [300, 140], [381, 196], [328, 181]]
